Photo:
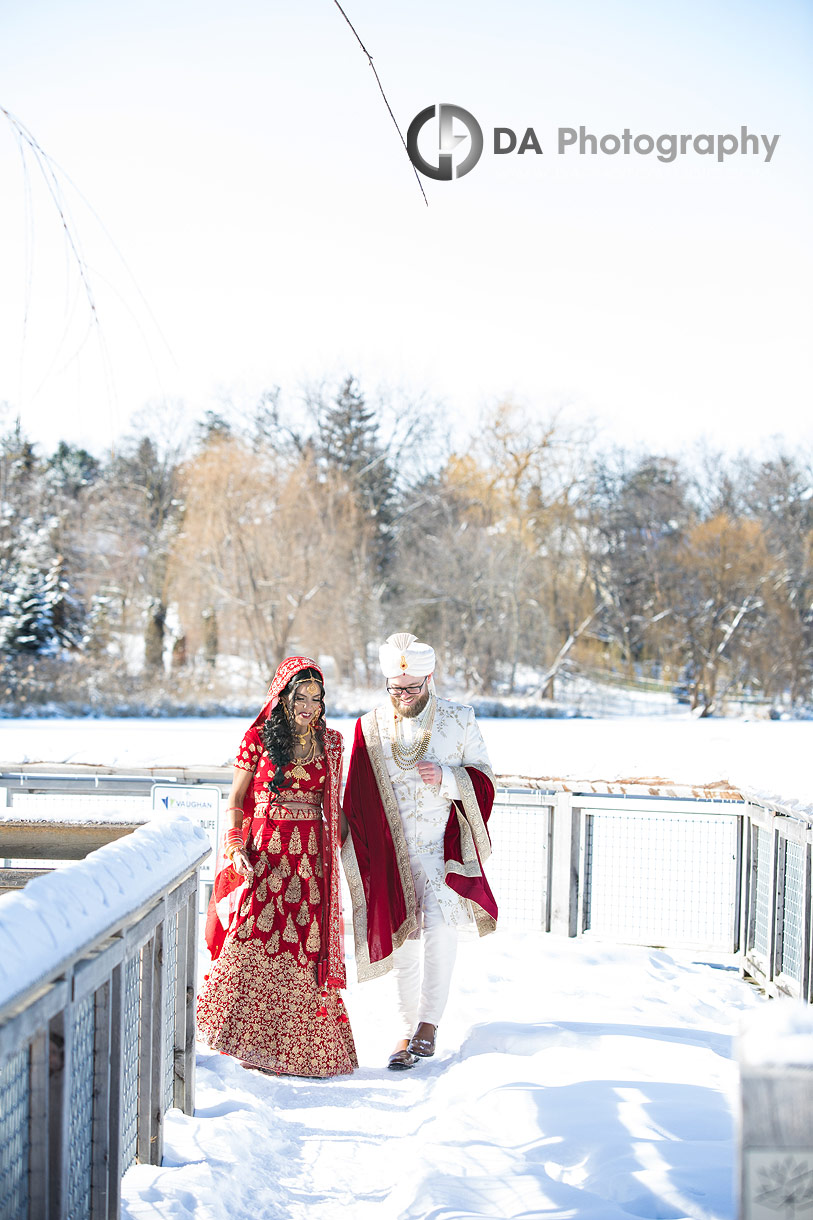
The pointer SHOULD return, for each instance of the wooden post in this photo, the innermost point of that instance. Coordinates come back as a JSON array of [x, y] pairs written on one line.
[[564, 904], [116, 1091], [60, 1046], [776, 1125], [158, 1045], [100, 1140], [146, 1049], [191, 995], [39, 1172], [179, 1047]]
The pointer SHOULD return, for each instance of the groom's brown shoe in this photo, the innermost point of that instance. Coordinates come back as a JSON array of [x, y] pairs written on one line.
[[422, 1042], [401, 1061]]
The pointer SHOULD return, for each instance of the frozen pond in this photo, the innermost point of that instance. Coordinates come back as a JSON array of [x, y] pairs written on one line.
[[769, 757]]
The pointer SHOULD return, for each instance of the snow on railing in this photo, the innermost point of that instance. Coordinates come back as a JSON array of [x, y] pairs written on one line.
[[97, 984]]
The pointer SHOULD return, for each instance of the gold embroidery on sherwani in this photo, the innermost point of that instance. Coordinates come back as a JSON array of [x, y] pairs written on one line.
[[312, 848], [365, 969], [469, 800], [295, 842], [294, 891], [372, 738], [303, 916], [314, 894], [472, 830], [314, 942]]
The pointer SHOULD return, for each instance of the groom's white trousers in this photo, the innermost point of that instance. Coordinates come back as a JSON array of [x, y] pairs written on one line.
[[423, 968]]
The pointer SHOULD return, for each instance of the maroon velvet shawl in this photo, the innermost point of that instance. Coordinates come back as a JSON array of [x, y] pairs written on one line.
[[387, 910]]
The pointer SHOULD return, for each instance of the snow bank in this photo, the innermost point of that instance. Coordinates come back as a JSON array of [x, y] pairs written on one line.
[[57, 916], [572, 1079]]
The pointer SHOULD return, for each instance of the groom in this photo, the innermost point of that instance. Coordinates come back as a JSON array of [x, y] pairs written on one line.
[[418, 797]]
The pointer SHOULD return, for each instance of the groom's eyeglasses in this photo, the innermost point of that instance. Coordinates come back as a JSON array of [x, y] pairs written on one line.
[[405, 690]]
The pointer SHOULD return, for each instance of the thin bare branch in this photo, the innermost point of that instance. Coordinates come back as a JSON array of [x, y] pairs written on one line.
[[383, 94]]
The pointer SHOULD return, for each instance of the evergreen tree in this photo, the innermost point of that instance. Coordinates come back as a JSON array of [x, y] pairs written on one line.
[[347, 440]]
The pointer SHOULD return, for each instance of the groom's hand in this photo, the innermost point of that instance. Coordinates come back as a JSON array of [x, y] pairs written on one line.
[[430, 773]]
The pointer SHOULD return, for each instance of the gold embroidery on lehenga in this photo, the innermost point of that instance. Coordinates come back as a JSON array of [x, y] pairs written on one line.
[[262, 891], [312, 843], [272, 945], [275, 880], [295, 842], [303, 916], [304, 868], [265, 1009], [261, 864], [276, 841], [245, 906], [294, 890], [290, 931], [265, 919], [314, 942], [247, 928], [314, 894], [317, 868], [285, 866]]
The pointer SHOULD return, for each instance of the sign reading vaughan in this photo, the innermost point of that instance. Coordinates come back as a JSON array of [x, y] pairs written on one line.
[[446, 127]]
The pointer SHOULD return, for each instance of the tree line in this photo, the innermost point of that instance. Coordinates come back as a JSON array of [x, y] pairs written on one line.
[[527, 551]]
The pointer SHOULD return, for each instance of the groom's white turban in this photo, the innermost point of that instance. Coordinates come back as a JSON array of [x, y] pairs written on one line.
[[404, 654]]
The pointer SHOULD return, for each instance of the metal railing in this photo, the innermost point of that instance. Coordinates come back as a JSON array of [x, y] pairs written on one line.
[[97, 1043], [776, 901], [722, 875]]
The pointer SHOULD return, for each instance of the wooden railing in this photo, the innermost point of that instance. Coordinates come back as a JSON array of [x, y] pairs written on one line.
[[96, 1021]]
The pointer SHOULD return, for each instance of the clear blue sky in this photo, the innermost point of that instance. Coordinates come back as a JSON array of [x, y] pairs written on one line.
[[246, 169]]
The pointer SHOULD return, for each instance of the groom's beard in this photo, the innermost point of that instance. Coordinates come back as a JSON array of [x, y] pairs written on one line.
[[414, 709]]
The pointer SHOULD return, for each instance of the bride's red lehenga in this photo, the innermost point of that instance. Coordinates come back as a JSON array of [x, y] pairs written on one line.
[[272, 995]]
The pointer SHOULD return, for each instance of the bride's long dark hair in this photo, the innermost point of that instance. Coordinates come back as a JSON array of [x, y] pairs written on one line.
[[277, 731]]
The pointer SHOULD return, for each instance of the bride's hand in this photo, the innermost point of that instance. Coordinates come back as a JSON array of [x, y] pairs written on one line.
[[241, 864]]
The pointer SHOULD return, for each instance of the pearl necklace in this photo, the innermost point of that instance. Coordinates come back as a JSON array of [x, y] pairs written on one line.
[[405, 756]]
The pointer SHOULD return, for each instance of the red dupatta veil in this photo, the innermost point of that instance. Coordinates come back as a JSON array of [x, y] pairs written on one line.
[[229, 886]]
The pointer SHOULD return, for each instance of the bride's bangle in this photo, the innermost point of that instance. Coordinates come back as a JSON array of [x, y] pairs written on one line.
[[232, 839]]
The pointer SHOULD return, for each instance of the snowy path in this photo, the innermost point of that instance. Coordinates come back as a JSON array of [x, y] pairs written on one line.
[[573, 1079]]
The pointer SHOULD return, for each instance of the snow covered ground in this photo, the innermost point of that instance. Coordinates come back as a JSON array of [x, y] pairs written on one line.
[[768, 757], [572, 1079]]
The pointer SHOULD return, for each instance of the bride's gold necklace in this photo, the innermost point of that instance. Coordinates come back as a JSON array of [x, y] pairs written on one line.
[[310, 754], [405, 756]]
